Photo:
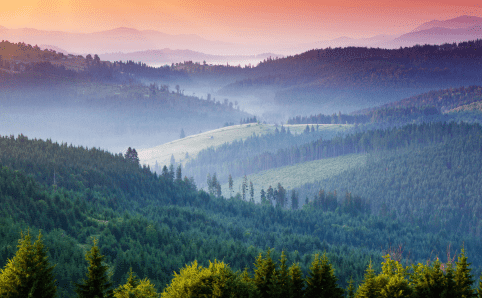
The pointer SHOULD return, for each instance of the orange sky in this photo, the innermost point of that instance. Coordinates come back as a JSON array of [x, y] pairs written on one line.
[[263, 21]]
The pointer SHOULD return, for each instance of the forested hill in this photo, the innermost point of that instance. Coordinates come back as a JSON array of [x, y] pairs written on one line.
[[442, 101], [354, 78], [431, 103], [221, 161], [157, 223], [436, 186]]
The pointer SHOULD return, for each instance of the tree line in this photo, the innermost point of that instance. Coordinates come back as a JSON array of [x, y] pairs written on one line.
[[29, 274]]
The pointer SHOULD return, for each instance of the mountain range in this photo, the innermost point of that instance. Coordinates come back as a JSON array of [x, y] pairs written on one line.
[[140, 44], [168, 56]]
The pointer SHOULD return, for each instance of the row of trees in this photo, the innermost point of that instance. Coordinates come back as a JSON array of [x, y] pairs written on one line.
[[329, 119], [30, 274], [271, 279]]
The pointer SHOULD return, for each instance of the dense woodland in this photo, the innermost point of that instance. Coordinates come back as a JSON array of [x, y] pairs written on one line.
[[29, 273], [254, 157], [157, 223], [388, 228]]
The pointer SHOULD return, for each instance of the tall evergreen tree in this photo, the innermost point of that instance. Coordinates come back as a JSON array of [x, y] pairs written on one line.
[[264, 201], [251, 191], [294, 200], [179, 173], [28, 273], [284, 284], [463, 279], [296, 281], [97, 283], [479, 288], [321, 280], [131, 155], [369, 288], [350, 290], [265, 274], [244, 187], [230, 185]]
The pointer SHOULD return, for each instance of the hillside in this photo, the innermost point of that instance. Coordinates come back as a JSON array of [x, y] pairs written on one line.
[[292, 177], [346, 79], [102, 104], [193, 144], [157, 223]]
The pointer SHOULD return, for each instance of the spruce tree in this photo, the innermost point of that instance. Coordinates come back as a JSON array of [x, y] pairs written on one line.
[[350, 291], [230, 185], [321, 280], [265, 274], [463, 278], [28, 273], [283, 277], [479, 288], [369, 288], [135, 288], [296, 281], [97, 284]]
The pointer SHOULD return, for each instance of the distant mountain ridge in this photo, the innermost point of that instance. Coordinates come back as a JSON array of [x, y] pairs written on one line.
[[168, 56], [123, 39], [458, 29], [464, 21]]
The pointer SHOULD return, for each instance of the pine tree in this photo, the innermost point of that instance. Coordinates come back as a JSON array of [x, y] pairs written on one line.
[[284, 284], [296, 281], [28, 273], [264, 201], [463, 278], [294, 200], [135, 288], [350, 291], [251, 191], [264, 274], [97, 283], [230, 185], [179, 173], [131, 155], [369, 288], [321, 280], [244, 187], [182, 135], [479, 289]]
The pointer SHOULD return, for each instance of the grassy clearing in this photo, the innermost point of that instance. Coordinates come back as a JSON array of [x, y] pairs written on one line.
[[193, 144], [297, 175]]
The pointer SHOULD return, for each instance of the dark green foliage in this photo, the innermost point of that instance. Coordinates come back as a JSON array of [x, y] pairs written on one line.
[[369, 288], [350, 290], [296, 281], [321, 280], [97, 283], [155, 225], [265, 275]]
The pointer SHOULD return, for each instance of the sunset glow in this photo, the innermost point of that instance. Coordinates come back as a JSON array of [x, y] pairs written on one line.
[[265, 22]]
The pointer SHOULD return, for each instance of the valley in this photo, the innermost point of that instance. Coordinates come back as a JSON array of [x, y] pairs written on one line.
[[197, 179]]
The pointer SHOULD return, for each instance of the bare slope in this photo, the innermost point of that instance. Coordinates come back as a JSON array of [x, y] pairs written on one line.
[[193, 144], [297, 175]]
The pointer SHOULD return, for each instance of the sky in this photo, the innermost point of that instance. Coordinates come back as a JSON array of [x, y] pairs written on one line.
[[239, 21]]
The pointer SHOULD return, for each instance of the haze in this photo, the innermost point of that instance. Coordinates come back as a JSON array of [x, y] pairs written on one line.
[[276, 24]]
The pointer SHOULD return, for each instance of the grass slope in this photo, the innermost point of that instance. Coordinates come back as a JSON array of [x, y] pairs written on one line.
[[195, 143], [295, 176]]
